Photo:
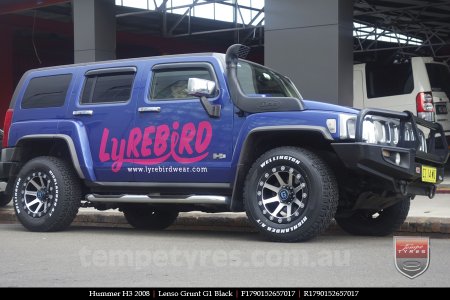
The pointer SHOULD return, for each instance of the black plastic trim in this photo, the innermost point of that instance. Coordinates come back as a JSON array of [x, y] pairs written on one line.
[[113, 70], [161, 184]]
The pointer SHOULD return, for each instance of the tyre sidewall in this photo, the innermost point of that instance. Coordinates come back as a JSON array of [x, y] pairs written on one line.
[[307, 219]]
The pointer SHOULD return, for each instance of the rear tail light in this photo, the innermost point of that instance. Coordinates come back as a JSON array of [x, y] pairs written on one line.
[[7, 126], [425, 106]]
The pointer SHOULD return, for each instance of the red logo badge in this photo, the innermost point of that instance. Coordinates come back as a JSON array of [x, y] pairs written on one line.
[[412, 255]]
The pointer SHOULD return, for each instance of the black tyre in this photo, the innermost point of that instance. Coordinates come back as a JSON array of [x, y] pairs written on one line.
[[381, 223], [290, 194], [145, 217], [4, 199], [46, 194]]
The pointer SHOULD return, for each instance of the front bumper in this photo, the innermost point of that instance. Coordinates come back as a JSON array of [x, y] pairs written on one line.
[[406, 176]]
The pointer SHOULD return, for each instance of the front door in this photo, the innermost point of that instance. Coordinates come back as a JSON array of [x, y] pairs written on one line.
[[175, 139]]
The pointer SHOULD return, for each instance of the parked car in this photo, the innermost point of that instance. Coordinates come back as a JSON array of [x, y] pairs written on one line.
[[116, 134], [419, 84]]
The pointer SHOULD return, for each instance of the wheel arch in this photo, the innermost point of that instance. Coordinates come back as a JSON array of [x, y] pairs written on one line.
[[262, 139], [59, 145]]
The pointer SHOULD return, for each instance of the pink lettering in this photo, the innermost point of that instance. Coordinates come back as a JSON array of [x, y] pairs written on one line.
[[162, 134], [147, 141], [187, 135], [103, 156], [156, 144], [204, 135], [135, 138], [117, 154]]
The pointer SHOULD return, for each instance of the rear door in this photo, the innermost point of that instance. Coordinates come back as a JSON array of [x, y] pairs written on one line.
[[106, 108]]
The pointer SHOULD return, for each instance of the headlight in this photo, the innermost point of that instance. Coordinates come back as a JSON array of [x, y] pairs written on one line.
[[386, 131], [347, 126]]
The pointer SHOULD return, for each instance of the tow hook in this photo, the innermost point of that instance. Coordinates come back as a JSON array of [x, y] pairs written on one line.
[[432, 192], [403, 189]]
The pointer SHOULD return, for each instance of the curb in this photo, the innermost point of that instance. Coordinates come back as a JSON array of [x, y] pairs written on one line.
[[226, 222], [443, 188]]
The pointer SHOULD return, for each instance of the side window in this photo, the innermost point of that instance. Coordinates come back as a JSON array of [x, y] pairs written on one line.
[[49, 91], [389, 80], [171, 84], [107, 88]]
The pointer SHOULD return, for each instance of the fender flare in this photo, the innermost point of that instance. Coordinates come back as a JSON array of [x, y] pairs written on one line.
[[69, 142], [240, 173]]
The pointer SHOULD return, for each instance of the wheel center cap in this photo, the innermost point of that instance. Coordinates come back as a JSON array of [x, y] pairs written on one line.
[[41, 194], [286, 194]]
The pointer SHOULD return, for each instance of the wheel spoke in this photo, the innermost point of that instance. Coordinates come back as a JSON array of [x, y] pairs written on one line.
[[270, 200], [289, 210], [39, 207], [37, 186], [29, 193], [280, 180], [299, 203], [42, 181], [271, 187], [299, 188], [278, 209], [291, 177], [33, 202]]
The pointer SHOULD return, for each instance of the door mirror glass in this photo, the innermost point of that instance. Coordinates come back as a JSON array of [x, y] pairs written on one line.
[[201, 87]]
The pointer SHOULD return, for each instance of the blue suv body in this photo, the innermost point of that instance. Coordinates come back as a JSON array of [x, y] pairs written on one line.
[[212, 132]]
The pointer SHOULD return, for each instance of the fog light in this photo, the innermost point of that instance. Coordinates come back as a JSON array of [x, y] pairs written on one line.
[[397, 159]]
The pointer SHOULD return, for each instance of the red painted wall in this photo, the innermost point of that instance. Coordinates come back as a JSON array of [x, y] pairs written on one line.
[[6, 70]]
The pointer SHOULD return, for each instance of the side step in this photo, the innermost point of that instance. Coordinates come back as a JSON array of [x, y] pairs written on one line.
[[202, 199]]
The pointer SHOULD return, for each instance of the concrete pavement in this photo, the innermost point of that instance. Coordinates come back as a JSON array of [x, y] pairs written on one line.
[[122, 257]]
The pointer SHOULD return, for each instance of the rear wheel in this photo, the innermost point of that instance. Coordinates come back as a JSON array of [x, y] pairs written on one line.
[[146, 217], [376, 223], [47, 194], [290, 194]]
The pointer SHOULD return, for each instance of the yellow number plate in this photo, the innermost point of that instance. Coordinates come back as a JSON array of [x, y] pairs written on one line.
[[428, 174]]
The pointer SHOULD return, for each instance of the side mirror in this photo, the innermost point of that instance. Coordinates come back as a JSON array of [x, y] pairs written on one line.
[[203, 88]]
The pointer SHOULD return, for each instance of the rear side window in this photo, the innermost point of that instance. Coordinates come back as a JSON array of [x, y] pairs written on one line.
[[48, 91], [108, 88], [439, 76], [389, 80], [172, 83]]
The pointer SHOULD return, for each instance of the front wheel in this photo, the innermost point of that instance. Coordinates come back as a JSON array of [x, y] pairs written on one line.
[[290, 194], [146, 217], [47, 194], [376, 223]]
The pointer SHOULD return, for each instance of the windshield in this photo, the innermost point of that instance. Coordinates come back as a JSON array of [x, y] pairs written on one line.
[[439, 77], [256, 80]]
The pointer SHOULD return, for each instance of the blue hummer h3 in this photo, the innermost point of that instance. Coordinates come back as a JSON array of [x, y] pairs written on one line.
[[210, 132]]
